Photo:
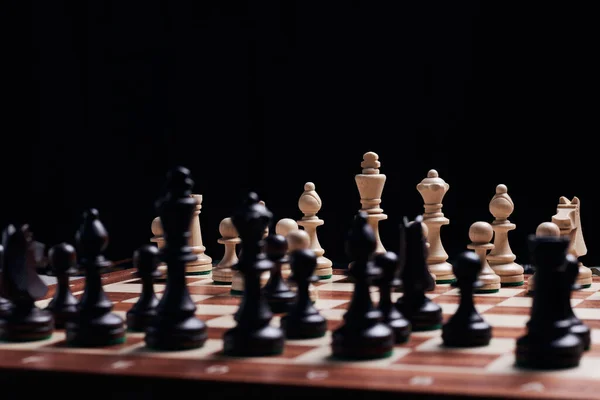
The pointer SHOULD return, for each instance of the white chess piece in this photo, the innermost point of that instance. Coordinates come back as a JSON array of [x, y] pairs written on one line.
[[203, 263], [543, 229], [159, 239], [223, 273], [283, 227], [481, 234]]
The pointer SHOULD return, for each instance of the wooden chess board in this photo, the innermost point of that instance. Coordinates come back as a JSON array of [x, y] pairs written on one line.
[[420, 366]]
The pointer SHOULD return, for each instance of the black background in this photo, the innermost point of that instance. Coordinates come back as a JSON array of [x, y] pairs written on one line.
[[266, 96]]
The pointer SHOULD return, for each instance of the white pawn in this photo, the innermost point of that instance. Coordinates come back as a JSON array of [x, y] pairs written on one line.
[[283, 227], [481, 234], [310, 204], [298, 240], [159, 239], [222, 273], [543, 229]]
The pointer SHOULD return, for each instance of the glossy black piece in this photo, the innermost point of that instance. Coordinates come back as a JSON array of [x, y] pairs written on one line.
[[278, 294], [577, 326], [95, 324], [5, 304], [175, 326], [146, 261], [362, 335], [62, 260], [466, 328]]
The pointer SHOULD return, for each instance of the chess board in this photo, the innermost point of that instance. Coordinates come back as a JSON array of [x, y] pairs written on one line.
[[419, 367]]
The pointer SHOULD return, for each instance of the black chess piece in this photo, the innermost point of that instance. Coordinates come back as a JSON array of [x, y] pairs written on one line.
[[95, 324], [303, 321], [466, 328], [278, 294], [5, 304], [549, 342], [63, 263], [362, 335], [145, 260], [21, 285], [175, 326], [423, 314], [253, 335], [577, 326], [389, 264]]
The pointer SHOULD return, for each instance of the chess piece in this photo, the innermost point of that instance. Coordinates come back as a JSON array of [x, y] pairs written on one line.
[[466, 328], [283, 227], [389, 265], [145, 260], [433, 189], [299, 240], [36, 254], [370, 185], [423, 314], [310, 204], [63, 263], [549, 342], [543, 229], [5, 304], [501, 258], [159, 238], [95, 324], [175, 326], [202, 265], [278, 294], [362, 335], [568, 219], [223, 272], [570, 277], [253, 334], [21, 285], [303, 321], [481, 234]]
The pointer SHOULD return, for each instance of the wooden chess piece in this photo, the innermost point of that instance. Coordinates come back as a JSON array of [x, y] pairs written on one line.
[[21, 285], [63, 262], [481, 234], [578, 327], [466, 328], [370, 185], [299, 240], [175, 326], [544, 229], [159, 238], [433, 189], [501, 257], [362, 335], [278, 294], [5, 304], [145, 260], [310, 204], [202, 265], [568, 219], [95, 324], [223, 272], [283, 227]]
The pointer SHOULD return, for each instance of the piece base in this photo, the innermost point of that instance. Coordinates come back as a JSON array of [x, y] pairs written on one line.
[[308, 327], [36, 325], [170, 335], [102, 331], [374, 342], [266, 341]]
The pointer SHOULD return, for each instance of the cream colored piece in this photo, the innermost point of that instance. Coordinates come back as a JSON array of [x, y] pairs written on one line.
[[203, 263], [310, 204], [433, 189], [543, 229], [370, 185], [159, 239], [501, 258], [481, 234], [568, 219], [299, 240], [223, 273], [283, 227]]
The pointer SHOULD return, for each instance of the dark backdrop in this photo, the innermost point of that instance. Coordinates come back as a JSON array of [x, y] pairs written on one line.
[[265, 96]]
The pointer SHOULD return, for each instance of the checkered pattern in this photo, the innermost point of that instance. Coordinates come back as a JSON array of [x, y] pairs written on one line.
[[507, 311]]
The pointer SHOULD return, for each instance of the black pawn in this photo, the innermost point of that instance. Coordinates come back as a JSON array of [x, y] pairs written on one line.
[[423, 314], [362, 335], [253, 336], [5, 304], [389, 264], [577, 326], [63, 263], [145, 260], [95, 324], [466, 328], [278, 293], [21, 285], [549, 342], [175, 326], [303, 321]]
